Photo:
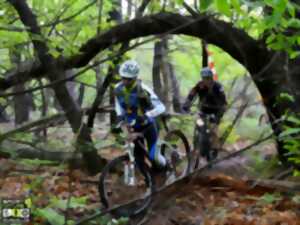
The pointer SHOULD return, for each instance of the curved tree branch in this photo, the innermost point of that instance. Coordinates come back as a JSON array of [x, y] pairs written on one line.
[[222, 34], [234, 41]]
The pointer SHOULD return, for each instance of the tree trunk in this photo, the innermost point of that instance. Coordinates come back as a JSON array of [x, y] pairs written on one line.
[[204, 54], [71, 90], [165, 71], [129, 8], [175, 90], [99, 84], [3, 115], [157, 58], [21, 106], [54, 73], [114, 15], [272, 81], [44, 109], [71, 85], [81, 94], [113, 115]]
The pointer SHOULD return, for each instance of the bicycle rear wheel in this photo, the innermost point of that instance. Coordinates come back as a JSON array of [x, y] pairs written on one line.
[[114, 190], [176, 142]]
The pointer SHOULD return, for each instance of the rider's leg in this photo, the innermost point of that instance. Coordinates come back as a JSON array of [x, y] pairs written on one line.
[[138, 149], [151, 137], [139, 153]]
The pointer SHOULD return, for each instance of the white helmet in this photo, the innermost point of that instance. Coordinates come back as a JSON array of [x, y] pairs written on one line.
[[129, 69]]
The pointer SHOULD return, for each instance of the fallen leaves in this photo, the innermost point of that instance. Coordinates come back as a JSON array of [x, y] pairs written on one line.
[[211, 200], [48, 185], [223, 200]]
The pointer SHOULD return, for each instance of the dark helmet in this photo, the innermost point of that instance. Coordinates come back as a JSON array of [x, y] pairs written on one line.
[[206, 72]]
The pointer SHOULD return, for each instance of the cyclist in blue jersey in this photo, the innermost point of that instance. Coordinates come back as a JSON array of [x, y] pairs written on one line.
[[138, 105]]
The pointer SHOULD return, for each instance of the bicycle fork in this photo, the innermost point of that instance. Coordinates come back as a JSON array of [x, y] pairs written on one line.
[[129, 168]]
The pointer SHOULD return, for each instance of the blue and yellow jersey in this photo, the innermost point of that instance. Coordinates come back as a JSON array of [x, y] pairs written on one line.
[[138, 100]]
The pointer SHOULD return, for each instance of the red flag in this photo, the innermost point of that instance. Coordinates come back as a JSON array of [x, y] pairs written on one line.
[[211, 64]]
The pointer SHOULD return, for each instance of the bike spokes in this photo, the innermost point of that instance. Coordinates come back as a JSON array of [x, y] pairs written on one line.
[[116, 189]]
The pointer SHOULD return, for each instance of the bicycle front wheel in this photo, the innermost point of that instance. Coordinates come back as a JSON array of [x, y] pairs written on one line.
[[202, 145], [175, 144], [115, 191]]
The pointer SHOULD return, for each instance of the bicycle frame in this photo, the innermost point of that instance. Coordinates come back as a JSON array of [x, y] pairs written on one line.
[[134, 172], [129, 169], [202, 137]]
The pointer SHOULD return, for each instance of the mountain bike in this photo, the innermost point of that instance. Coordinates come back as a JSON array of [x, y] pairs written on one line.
[[130, 181], [203, 138]]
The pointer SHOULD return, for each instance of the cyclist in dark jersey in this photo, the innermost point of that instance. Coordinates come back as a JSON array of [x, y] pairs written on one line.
[[212, 99]]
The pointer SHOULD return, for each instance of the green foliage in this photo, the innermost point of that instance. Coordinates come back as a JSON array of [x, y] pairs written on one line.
[[121, 221], [155, 6], [52, 216], [248, 128], [102, 143], [35, 162], [89, 77], [291, 139], [296, 199], [51, 212], [233, 136], [283, 98], [36, 184], [186, 61], [179, 2], [23, 136], [269, 198], [204, 4], [223, 6], [63, 203], [236, 5], [227, 68], [10, 39], [12, 153], [2, 101], [261, 167], [55, 144], [289, 131], [106, 220], [184, 123], [253, 17]]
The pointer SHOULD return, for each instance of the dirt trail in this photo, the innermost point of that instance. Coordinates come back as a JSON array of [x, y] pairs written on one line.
[[213, 198], [208, 198], [219, 199]]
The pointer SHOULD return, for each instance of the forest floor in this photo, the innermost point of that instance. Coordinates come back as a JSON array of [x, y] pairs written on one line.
[[219, 199], [222, 195]]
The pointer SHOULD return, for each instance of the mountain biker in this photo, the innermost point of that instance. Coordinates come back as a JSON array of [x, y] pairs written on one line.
[[137, 104], [212, 99]]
